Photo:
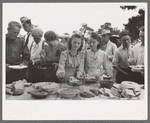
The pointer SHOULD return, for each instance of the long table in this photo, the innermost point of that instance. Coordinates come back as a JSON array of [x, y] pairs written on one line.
[[56, 96]]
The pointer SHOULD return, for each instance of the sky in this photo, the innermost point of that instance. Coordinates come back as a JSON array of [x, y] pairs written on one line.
[[67, 17]]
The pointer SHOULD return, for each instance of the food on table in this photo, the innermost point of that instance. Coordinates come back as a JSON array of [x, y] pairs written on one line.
[[53, 87], [40, 84], [106, 77], [94, 91], [9, 91], [18, 87], [86, 95], [68, 92], [38, 94], [75, 82], [87, 77]]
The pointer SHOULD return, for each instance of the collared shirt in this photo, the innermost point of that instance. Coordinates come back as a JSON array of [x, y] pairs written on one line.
[[96, 60], [137, 52], [109, 48], [16, 53], [35, 49], [30, 39], [121, 57], [67, 61]]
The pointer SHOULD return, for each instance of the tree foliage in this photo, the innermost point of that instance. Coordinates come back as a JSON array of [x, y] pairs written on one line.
[[128, 7], [134, 23]]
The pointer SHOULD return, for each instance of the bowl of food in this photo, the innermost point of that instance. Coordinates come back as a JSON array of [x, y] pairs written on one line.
[[106, 84], [38, 94], [51, 88], [90, 79], [68, 92]]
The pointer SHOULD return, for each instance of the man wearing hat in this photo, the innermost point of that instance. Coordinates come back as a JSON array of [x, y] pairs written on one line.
[[108, 47], [28, 27], [16, 53], [34, 75]]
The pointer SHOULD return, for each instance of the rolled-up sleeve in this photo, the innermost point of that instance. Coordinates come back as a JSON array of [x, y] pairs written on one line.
[[62, 62]]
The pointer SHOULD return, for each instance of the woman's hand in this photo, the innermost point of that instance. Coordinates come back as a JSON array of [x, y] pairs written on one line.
[[61, 75]]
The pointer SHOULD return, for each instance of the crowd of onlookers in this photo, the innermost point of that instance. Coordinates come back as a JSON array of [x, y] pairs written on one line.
[[58, 57]]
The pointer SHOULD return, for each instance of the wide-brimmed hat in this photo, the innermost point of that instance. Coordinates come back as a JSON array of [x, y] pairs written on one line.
[[105, 32], [24, 19], [37, 32]]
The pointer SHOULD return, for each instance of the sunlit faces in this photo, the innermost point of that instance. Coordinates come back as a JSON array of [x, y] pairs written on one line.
[[13, 32], [93, 43], [126, 41], [105, 39], [75, 43]]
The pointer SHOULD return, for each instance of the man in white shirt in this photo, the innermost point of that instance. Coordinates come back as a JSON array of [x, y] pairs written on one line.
[[34, 74], [28, 27], [120, 59], [108, 47], [137, 53]]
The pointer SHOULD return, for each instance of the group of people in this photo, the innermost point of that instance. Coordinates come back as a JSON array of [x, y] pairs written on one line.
[[78, 55]]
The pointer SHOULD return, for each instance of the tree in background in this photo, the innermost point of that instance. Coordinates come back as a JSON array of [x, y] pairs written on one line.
[[135, 22], [107, 25], [84, 27]]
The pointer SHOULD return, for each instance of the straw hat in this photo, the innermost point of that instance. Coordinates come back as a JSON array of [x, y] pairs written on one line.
[[24, 19], [105, 32]]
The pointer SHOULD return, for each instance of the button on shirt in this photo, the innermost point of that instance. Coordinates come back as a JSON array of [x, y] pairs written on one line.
[[121, 57], [16, 53], [137, 52]]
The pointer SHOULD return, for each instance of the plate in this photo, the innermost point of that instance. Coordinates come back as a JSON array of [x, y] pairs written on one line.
[[18, 66], [68, 92], [38, 94]]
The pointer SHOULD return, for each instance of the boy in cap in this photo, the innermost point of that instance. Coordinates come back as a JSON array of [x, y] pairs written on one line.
[[28, 27], [34, 75]]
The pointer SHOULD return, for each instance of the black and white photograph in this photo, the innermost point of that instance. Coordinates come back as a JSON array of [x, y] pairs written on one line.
[[74, 61]]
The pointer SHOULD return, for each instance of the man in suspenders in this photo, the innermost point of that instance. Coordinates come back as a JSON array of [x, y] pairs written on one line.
[[28, 27], [34, 74]]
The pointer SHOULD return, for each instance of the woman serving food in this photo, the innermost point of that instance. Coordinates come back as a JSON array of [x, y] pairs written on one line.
[[71, 61]]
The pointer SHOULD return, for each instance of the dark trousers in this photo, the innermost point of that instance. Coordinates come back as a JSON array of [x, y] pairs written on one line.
[[15, 75], [34, 74], [133, 76]]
